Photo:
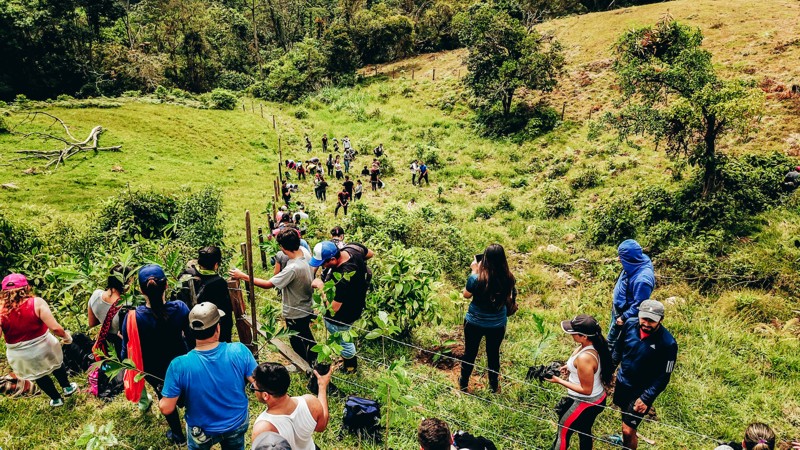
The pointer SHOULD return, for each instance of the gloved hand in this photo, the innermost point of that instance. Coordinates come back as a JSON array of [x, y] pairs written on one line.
[[68, 339]]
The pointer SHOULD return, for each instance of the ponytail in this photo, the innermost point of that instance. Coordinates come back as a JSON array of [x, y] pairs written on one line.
[[118, 277], [601, 347], [759, 436], [154, 290]]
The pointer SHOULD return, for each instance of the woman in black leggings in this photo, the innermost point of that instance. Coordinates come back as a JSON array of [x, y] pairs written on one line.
[[491, 288]]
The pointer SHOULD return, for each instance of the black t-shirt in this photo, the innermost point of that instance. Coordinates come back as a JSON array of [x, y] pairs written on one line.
[[373, 175], [365, 172], [352, 294], [214, 289], [344, 197], [348, 186]]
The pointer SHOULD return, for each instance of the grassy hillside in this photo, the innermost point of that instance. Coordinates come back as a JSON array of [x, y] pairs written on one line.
[[736, 364]]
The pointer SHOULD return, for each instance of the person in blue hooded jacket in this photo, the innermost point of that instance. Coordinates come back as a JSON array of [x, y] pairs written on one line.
[[634, 285]]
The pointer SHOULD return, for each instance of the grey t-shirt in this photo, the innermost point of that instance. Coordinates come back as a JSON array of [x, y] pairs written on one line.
[[294, 281], [282, 259], [100, 309]]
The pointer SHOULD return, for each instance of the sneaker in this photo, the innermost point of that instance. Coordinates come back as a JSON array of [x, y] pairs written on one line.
[[615, 439], [69, 390], [175, 439], [56, 403]]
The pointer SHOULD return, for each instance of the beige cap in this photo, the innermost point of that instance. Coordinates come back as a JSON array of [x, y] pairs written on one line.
[[204, 316]]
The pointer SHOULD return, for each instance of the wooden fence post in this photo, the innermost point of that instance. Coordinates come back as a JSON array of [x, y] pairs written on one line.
[[250, 286], [563, 109], [273, 121], [434, 74], [262, 110], [243, 110], [412, 74]]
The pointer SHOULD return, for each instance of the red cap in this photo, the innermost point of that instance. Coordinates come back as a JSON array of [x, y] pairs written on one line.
[[14, 281]]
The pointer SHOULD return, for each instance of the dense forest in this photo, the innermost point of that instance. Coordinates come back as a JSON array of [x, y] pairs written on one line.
[[277, 49]]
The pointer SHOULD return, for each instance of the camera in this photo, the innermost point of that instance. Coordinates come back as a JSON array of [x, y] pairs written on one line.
[[543, 372]]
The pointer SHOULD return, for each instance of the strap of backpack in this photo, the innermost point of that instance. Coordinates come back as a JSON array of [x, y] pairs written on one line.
[[100, 343]]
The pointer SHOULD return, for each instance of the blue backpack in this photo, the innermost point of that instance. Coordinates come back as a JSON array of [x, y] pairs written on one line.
[[362, 417]]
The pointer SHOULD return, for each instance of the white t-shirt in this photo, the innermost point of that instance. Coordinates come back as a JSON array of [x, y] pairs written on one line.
[[100, 310]]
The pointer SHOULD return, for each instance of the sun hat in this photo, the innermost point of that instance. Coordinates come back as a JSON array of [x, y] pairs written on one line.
[[323, 251], [14, 281], [581, 324], [651, 309], [204, 316]]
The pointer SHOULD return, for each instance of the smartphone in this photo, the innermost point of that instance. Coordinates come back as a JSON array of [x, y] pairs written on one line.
[[479, 257]]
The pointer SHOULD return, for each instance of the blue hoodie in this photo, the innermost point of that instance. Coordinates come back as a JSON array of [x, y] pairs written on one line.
[[635, 283]]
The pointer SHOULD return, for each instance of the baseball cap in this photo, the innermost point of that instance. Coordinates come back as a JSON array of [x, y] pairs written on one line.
[[651, 309], [270, 440], [204, 316], [581, 324], [151, 271], [323, 251], [14, 281]]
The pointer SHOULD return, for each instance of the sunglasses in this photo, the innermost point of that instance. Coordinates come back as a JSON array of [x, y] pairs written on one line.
[[252, 388]]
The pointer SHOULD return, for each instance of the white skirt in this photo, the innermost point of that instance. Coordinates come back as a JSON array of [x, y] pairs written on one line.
[[31, 360]]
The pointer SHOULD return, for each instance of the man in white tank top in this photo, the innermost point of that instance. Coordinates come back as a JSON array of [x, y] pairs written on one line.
[[294, 418]]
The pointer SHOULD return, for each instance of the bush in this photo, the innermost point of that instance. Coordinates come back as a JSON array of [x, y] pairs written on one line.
[[483, 212], [223, 99], [559, 169], [519, 183], [557, 202], [234, 81], [198, 219], [587, 179], [612, 222], [301, 114], [16, 241], [754, 307], [504, 203], [428, 154], [145, 214], [524, 121]]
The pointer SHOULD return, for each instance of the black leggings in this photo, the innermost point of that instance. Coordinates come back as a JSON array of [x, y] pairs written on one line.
[[303, 341], [577, 416], [336, 211], [473, 335], [47, 386], [174, 419]]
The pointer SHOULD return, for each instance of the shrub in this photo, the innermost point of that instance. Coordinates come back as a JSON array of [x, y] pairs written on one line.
[[559, 169], [612, 222], [587, 179], [519, 183], [234, 81], [524, 121], [483, 212], [301, 114], [504, 203], [428, 154], [198, 219], [557, 201], [4, 126], [754, 307], [403, 288], [16, 241], [222, 99], [138, 213]]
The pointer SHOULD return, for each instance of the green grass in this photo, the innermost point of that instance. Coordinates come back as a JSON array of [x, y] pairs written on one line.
[[730, 371]]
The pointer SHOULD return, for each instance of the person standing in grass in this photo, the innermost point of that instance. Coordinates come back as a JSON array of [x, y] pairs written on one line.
[[589, 369], [491, 287], [308, 144], [324, 143], [335, 145], [348, 185], [329, 164], [211, 379], [301, 171], [293, 279], [163, 328], [646, 354], [337, 167], [359, 189], [758, 436], [296, 419], [374, 177], [365, 172], [28, 326], [414, 169], [423, 173], [214, 289], [634, 285], [343, 200], [348, 157], [104, 302]]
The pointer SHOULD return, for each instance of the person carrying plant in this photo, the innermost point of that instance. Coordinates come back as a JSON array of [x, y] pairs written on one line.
[[491, 286], [589, 369], [28, 326], [296, 419], [646, 353], [294, 280], [634, 285], [211, 379], [214, 288], [162, 328], [351, 290]]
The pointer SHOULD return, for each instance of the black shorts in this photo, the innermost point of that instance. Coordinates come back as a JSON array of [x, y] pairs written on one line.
[[625, 397]]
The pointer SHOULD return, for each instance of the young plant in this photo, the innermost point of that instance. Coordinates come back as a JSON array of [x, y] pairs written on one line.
[[99, 437], [331, 346], [545, 336], [272, 326], [393, 384]]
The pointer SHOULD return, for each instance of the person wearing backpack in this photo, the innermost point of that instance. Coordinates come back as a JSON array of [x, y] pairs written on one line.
[[162, 329], [350, 299], [296, 419], [491, 287], [214, 289]]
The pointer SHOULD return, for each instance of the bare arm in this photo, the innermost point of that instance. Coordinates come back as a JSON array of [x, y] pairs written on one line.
[[93, 321], [466, 294], [262, 426], [323, 416], [370, 254], [260, 282], [277, 268], [44, 313], [167, 405]]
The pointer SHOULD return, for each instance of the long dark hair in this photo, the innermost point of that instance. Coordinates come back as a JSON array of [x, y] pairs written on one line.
[[154, 289], [118, 277], [601, 347], [495, 280]]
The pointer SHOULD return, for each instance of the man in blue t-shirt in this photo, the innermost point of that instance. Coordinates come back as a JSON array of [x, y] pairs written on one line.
[[211, 379]]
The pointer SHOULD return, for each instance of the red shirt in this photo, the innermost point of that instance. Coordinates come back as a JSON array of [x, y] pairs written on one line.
[[21, 323]]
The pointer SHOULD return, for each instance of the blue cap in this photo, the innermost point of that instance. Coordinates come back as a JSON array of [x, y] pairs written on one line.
[[323, 251], [151, 271]]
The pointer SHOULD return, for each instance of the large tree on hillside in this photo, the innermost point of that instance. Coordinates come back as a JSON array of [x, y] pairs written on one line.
[[505, 56], [671, 91]]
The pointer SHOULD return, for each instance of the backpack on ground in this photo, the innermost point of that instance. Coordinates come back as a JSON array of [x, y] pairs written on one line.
[[78, 355], [362, 417]]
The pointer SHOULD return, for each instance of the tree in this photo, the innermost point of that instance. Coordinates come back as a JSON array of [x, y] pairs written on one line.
[[341, 51], [505, 56], [671, 91]]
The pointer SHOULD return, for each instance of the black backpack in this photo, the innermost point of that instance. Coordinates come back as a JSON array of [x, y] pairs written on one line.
[[78, 355], [465, 441], [362, 417], [188, 278]]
